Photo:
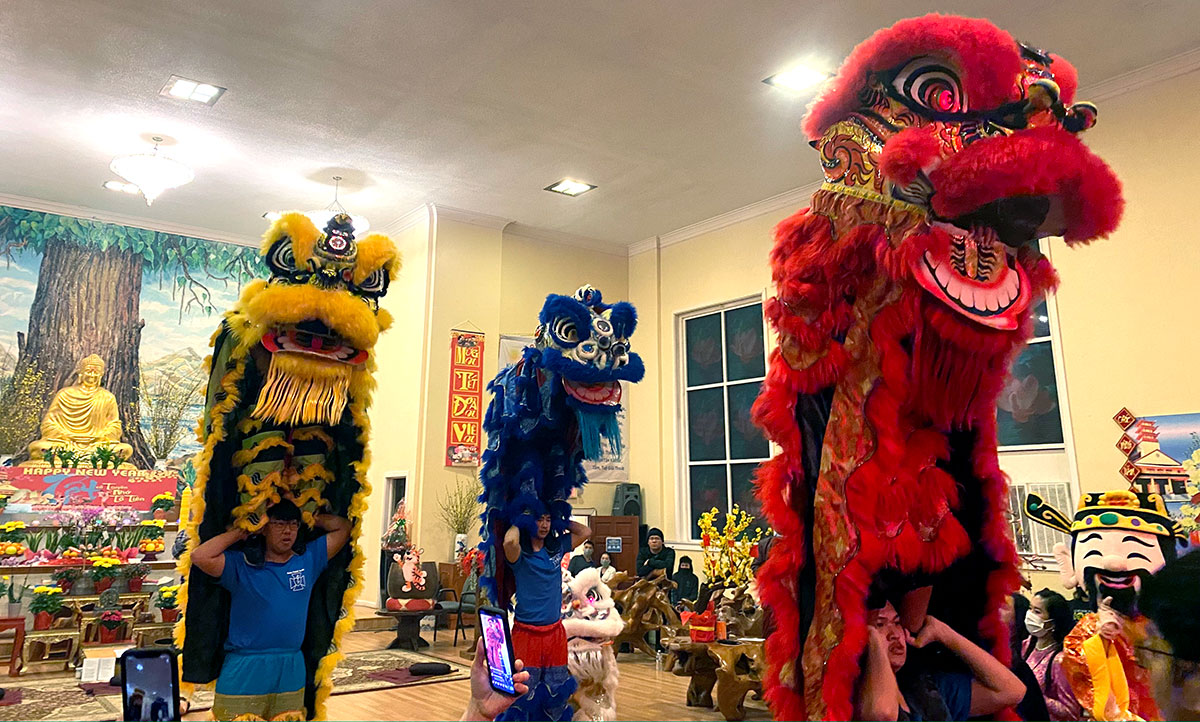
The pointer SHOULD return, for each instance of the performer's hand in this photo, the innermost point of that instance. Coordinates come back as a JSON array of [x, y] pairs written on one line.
[[486, 702], [1109, 626], [933, 630]]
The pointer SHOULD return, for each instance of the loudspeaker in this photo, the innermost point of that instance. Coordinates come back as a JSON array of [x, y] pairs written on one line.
[[627, 501]]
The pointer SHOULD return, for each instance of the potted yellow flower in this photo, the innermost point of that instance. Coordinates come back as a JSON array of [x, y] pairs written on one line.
[[162, 505], [46, 602], [168, 601], [104, 571]]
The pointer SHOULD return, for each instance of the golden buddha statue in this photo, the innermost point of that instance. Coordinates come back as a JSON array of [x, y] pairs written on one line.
[[82, 418]]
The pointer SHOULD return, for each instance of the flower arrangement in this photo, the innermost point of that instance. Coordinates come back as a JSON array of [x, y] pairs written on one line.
[[135, 575], [460, 507], [111, 619], [730, 552], [396, 537], [46, 599], [119, 516], [65, 577], [168, 597], [12, 532], [15, 593], [104, 571], [472, 562], [163, 502]]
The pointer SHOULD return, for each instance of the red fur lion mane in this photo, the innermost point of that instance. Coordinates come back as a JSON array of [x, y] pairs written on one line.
[[903, 295]]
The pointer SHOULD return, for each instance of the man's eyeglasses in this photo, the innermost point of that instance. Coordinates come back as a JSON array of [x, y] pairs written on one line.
[[1182, 668], [280, 525]]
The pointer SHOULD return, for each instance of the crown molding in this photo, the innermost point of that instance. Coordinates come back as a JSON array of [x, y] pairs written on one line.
[[421, 214], [544, 235], [1142, 77], [645, 246], [795, 198], [95, 214], [473, 218]]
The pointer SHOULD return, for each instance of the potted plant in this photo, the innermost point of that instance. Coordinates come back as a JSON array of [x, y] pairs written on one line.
[[46, 602], [458, 510], [65, 578], [162, 504], [135, 575], [168, 601], [110, 621], [15, 595], [104, 571]]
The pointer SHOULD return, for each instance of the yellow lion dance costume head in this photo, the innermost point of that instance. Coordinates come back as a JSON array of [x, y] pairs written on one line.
[[290, 380]]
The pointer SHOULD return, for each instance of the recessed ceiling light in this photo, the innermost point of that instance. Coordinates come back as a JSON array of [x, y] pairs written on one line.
[[797, 78], [569, 187], [182, 88], [120, 187]]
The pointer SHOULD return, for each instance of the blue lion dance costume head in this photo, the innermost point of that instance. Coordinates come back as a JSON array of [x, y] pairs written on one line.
[[549, 412]]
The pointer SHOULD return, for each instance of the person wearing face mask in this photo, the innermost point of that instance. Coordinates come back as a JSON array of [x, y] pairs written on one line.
[[1049, 621], [607, 570], [687, 584], [1033, 705]]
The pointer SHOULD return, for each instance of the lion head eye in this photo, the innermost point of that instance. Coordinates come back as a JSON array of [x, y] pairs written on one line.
[[280, 258], [930, 84], [564, 331], [374, 285]]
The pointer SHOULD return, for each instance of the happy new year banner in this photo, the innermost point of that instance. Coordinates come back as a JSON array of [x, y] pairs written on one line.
[[464, 424]]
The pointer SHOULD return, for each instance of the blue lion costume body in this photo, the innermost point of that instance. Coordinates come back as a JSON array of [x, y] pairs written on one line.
[[549, 412]]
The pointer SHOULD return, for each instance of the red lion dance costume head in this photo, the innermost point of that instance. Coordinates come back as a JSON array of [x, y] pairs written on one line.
[[903, 294]]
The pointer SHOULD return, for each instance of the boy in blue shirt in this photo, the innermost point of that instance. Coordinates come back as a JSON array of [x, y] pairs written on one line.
[[263, 673]]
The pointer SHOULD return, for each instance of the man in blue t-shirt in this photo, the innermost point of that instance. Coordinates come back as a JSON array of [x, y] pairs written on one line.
[[891, 689], [536, 561], [263, 673]]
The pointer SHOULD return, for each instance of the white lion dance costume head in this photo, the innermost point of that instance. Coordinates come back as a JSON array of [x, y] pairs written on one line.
[[591, 620]]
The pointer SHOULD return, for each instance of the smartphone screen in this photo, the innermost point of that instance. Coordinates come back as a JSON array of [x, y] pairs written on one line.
[[497, 643], [150, 685]]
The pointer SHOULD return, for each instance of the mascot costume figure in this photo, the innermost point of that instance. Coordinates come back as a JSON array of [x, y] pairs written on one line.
[[591, 621], [1118, 539], [551, 410], [286, 416], [903, 294]]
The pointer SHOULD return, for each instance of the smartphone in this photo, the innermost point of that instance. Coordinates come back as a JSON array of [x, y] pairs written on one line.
[[150, 684], [497, 645]]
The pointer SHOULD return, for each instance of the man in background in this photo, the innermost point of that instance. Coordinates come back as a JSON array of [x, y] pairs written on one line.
[[585, 559], [1168, 646], [655, 555]]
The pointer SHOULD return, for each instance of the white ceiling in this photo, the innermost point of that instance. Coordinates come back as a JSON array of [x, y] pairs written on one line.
[[475, 105]]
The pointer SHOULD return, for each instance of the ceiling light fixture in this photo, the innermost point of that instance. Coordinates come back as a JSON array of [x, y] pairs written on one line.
[[798, 78], [569, 187], [321, 217], [182, 88], [120, 187], [152, 172]]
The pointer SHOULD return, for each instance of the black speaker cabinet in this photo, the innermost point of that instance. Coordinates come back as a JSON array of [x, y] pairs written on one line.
[[627, 501]]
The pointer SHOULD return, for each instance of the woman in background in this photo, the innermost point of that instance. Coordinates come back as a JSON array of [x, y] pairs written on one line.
[[1033, 705], [1049, 620], [607, 570]]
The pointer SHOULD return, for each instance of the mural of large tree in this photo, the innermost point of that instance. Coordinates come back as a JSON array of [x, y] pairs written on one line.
[[87, 301]]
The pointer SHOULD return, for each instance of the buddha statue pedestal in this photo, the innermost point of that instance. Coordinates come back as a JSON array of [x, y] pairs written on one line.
[[82, 424]]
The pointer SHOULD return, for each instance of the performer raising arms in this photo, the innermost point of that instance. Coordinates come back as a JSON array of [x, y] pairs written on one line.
[[538, 636], [263, 674]]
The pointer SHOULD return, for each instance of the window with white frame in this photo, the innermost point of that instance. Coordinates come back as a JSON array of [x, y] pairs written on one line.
[[722, 363], [1033, 430]]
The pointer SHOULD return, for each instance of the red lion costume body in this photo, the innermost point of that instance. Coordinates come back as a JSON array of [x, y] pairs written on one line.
[[903, 294]]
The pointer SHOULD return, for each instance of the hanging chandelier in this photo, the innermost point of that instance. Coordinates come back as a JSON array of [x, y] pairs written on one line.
[[152, 172], [321, 217]]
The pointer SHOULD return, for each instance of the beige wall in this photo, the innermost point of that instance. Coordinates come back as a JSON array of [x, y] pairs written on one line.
[[397, 400]]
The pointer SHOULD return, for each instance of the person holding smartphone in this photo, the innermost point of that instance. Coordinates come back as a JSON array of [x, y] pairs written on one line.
[[263, 674]]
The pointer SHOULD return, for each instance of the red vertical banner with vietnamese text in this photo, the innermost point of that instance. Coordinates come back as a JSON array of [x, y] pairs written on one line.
[[464, 424]]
